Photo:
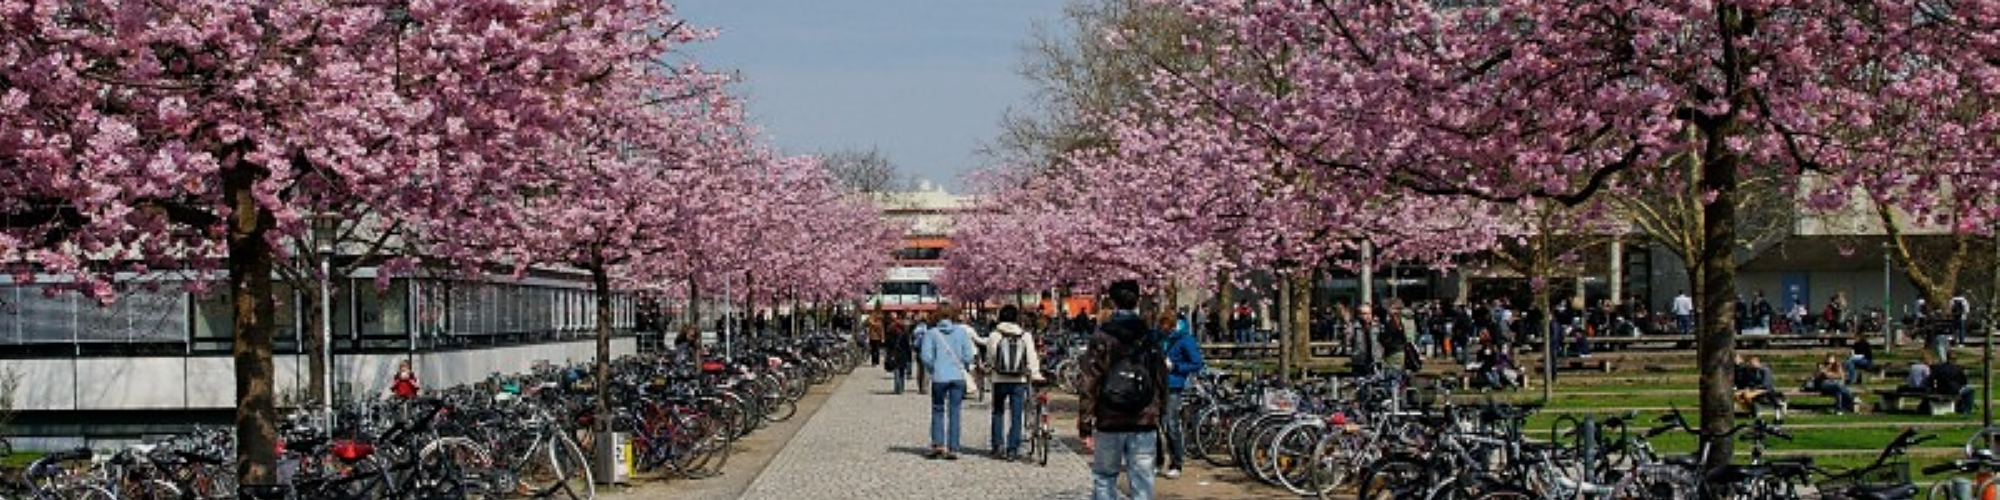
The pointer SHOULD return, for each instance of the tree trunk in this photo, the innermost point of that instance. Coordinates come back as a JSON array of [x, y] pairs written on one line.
[[251, 258], [1544, 326], [317, 370], [1936, 289], [600, 282], [1716, 338], [1299, 347], [694, 304], [1284, 332]]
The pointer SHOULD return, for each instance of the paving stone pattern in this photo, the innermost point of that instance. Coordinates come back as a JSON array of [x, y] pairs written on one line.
[[867, 444]]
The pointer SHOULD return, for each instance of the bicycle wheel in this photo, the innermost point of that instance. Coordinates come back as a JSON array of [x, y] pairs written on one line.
[[1292, 454], [1397, 477], [1039, 434], [1505, 493], [454, 467], [150, 489], [554, 467], [1264, 459], [1337, 460], [1657, 482], [1212, 436], [779, 408], [84, 492]]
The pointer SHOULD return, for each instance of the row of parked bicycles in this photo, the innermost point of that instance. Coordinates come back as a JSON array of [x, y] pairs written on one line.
[[511, 436], [1377, 438]]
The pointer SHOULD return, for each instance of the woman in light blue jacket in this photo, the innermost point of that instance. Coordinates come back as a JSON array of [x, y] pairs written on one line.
[[947, 351]]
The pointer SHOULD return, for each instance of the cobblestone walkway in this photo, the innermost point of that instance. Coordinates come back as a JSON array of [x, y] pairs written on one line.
[[867, 444]]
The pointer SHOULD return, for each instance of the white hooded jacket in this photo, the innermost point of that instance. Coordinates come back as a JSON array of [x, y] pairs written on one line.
[[992, 342]]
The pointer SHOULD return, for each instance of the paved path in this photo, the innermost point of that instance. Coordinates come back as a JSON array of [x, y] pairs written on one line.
[[867, 444]]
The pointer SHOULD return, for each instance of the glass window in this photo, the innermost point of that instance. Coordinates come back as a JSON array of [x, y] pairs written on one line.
[[10, 314], [160, 315]]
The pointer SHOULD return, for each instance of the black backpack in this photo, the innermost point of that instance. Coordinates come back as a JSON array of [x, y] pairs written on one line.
[[1957, 308], [1128, 383], [1010, 356]]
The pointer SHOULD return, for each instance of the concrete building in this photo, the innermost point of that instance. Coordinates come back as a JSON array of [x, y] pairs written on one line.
[[930, 212]]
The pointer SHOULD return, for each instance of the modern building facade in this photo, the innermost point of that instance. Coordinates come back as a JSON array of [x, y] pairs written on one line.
[[157, 359]]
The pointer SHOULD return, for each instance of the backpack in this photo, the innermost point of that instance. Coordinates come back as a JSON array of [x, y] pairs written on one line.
[[1128, 383], [1957, 308], [1010, 356], [1392, 339]]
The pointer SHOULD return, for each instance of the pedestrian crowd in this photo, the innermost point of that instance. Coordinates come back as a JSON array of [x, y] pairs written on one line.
[[1133, 373]]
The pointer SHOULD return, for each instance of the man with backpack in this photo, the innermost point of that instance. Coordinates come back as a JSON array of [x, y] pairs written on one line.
[[1014, 361], [1123, 390]]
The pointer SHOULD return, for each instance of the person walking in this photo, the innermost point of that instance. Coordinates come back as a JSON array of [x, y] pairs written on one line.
[[1683, 312], [1123, 391], [919, 330], [1015, 363], [1183, 355], [947, 353], [1961, 310], [877, 334], [896, 357]]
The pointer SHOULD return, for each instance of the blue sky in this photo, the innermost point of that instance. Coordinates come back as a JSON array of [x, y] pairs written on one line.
[[925, 81]]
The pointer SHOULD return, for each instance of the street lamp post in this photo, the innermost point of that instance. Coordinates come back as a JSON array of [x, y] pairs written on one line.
[[324, 228], [1887, 338]]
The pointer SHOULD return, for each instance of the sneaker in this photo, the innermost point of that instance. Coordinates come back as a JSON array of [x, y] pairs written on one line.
[[934, 454], [950, 456], [1173, 473]]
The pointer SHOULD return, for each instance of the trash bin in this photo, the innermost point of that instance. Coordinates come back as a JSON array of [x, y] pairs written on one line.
[[613, 464]]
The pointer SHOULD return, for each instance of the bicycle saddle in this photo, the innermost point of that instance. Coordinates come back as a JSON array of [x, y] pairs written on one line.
[[1880, 492]]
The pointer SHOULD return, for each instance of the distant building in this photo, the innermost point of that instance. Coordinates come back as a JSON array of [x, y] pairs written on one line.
[[930, 213]]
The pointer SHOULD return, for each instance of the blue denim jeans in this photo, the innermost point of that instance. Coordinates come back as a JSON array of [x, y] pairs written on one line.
[[946, 400], [1854, 366], [1170, 423], [1010, 401], [900, 375], [1129, 452]]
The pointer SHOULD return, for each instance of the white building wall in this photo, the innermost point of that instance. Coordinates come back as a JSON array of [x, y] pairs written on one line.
[[208, 382]]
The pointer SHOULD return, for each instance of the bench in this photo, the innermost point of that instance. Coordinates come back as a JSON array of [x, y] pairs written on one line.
[[1784, 401], [1916, 401], [1603, 365], [1253, 350]]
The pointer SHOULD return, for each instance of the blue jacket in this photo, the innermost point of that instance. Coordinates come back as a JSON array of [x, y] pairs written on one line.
[[1185, 353], [947, 350]]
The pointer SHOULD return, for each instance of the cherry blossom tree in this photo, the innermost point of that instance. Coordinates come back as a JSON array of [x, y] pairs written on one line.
[[165, 135], [1516, 99]]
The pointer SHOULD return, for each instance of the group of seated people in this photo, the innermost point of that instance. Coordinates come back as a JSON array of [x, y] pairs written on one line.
[[1493, 368], [1943, 378], [1835, 377]]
